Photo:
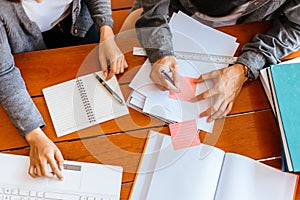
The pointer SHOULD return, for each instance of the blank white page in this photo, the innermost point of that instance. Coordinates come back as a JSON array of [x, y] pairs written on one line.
[[247, 179], [212, 40], [182, 174]]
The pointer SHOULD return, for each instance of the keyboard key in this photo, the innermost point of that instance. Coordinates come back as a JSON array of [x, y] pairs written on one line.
[[51, 195], [7, 190], [32, 193], [23, 192], [15, 198], [40, 194], [14, 191]]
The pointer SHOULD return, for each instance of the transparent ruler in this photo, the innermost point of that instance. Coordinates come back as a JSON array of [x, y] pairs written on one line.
[[139, 51]]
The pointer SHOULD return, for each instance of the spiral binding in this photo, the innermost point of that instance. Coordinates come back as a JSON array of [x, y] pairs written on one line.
[[85, 100]]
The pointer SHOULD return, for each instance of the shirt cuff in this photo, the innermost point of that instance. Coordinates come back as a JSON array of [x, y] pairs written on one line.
[[253, 60]]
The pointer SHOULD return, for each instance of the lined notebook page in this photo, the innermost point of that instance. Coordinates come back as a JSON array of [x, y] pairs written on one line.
[[63, 101], [104, 106], [82, 102]]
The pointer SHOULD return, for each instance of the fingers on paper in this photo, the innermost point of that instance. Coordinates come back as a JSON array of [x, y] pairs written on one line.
[[218, 110], [207, 76], [205, 95]]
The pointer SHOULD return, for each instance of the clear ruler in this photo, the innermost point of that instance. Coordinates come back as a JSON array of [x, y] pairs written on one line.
[[139, 51]]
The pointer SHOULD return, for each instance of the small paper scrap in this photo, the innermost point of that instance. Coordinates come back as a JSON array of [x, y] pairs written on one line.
[[184, 134], [187, 89]]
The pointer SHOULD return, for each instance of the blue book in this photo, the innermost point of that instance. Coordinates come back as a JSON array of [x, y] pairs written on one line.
[[285, 88]]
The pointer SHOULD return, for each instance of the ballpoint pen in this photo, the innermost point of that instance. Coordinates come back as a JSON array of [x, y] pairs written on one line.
[[167, 76], [113, 93]]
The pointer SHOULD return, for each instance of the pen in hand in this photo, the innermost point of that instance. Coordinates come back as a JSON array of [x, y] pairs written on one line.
[[166, 75], [113, 93]]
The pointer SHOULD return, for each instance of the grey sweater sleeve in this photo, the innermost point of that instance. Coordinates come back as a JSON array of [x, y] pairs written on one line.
[[100, 11], [153, 30], [282, 39], [13, 93]]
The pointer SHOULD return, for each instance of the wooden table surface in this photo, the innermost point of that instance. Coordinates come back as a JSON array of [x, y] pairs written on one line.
[[250, 129]]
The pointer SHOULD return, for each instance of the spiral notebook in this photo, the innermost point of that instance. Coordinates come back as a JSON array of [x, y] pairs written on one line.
[[82, 102]]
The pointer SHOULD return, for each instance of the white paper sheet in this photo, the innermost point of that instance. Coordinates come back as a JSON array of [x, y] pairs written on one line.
[[181, 174], [202, 39], [244, 178]]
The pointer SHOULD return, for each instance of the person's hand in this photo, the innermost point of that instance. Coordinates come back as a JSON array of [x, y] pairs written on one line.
[[168, 64], [110, 52], [227, 85], [43, 152]]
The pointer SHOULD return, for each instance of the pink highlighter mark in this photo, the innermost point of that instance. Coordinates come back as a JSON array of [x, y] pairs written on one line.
[[187, 89], [184, 134]]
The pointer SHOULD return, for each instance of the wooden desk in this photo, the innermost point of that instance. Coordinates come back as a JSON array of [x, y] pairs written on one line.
[[250, 129]]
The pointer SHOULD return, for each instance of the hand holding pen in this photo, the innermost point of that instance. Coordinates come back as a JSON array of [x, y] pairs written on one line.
[[109, 51], [161, 76]]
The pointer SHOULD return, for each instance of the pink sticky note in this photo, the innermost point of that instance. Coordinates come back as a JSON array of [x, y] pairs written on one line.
[[187, 89], [184, 134]]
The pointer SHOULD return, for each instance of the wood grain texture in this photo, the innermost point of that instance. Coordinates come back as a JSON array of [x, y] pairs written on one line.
[[121, 4], [250, 129]]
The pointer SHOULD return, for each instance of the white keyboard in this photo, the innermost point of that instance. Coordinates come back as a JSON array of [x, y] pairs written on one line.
[[14, 193]]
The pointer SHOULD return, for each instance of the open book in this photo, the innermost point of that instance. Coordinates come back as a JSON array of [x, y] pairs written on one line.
[[205, 172], [82, 102]]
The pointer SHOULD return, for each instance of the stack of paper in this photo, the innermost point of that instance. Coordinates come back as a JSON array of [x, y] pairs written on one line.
[[192, 36]]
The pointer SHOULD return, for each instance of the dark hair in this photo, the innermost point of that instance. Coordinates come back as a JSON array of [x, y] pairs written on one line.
[[18, 1], [217, 8]]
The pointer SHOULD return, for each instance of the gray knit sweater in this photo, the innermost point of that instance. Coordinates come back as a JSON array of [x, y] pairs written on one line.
[[18, 34]]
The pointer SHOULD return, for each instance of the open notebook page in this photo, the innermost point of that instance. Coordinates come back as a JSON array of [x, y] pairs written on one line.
[[69, 112], [64, 103], [182, 174], [104, 106], [245, 178]]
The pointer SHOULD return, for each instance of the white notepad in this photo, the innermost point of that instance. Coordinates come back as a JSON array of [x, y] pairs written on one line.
[[81, 103]]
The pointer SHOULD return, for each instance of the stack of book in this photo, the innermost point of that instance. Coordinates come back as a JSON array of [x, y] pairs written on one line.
[[281, 83]]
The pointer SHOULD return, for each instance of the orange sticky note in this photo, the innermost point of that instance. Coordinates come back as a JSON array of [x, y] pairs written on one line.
[[184, 134], [187, 89]]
